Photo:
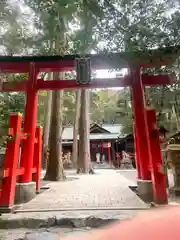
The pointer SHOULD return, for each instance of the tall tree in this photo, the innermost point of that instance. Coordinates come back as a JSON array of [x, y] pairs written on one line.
[[88, 14], [47, 122], [52, 23], [89, 20], [76, 128], [55, 171], [83, 163]]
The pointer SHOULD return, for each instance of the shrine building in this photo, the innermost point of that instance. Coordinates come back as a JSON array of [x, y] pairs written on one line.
[[106, 139]]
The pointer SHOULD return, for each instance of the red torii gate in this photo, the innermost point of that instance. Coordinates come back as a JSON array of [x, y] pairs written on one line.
[[146, 166]]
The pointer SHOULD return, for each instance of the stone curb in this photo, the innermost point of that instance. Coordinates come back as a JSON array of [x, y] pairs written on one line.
[[33, 223]]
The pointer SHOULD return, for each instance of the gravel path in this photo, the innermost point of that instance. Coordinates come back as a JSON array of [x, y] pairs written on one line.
[[105, 189]]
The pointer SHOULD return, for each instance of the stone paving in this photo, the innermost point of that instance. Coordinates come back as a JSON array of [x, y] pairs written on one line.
[[131, 176], [105, 189], [43, 234]]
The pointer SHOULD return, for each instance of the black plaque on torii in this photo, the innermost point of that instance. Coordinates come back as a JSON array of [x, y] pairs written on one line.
[[83, 70]]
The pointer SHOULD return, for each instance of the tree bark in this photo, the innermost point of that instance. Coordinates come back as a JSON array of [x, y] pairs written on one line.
[[76, 128], [47, 120], [84, 159], [55, 170]]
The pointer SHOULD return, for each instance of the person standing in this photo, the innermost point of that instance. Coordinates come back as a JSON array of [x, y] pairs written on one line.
[[98, 157]]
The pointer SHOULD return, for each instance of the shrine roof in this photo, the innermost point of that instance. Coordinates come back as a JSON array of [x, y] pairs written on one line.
[[114, 132], [96, 136], [112, 128], [104, 60], [67, 133], [103, 136]]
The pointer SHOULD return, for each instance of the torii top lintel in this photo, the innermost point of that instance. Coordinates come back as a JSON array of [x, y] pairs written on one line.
[[150, 58]]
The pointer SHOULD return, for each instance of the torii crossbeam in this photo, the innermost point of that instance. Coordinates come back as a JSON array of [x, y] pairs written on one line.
[[147, 80]]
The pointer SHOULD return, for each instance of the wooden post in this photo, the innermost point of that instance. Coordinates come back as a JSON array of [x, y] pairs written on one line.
[[37, 158], [10, 162], [157, 168], [101, 149], [113, 152], [29, 125], [109, 152]]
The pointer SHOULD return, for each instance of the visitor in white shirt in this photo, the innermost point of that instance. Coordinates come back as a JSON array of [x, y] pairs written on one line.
[[98, 157]]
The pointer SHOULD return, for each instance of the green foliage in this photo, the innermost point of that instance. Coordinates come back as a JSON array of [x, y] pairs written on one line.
[[9, 102], [104, 107], [134, 25], [82, 25], [56, 19], [15, 29]]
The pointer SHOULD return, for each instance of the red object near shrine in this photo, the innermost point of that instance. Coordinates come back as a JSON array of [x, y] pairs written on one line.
[[156, 166], [11, 170], [140, 121], [36, 177], [29, 124], [138, 159]]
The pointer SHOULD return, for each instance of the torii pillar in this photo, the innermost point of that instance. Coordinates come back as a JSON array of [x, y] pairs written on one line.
[[137, 156], [143, 150], [26, 186], [157, 168]]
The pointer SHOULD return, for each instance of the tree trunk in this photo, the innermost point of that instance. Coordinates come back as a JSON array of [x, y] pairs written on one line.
[[84, 160], [55, 170], [47, 120], [76, 128]]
